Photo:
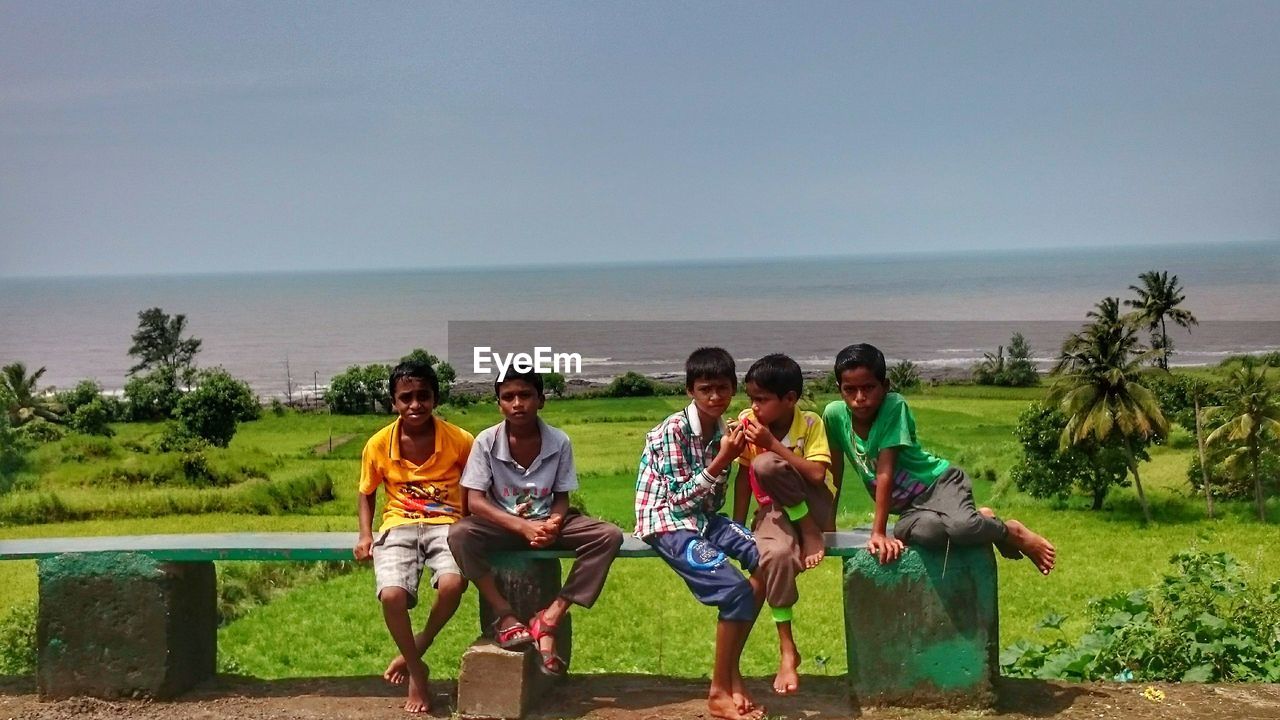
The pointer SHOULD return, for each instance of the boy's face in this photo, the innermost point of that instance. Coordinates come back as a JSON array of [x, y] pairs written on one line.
[[519, 402], [712, 395], [414, 401], [862, 392], [768, 407]]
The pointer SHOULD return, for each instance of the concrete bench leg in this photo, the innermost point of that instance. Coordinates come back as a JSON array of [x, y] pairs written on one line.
[[122, 624], [497, 683], [923, 630]]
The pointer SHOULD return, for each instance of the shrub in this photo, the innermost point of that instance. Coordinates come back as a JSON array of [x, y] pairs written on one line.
[[41, 432], [444, 373], [18, 640], [212, 410], [92, 418], [13, 454], [179, 438], [1204, 622], [904, 376], [554, 384], [84, 448]]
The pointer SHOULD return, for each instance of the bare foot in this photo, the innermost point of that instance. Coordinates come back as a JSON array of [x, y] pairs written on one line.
[[419, 700], [1039, 550], [740, 696], [787, 681], [396, 672], [812, 548], [1005, 548], [723, 706]]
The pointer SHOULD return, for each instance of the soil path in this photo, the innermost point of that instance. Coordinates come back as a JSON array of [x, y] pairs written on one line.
[[326, 447], [630, 697]]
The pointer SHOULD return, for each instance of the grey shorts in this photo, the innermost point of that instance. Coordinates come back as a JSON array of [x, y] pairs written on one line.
[[400, 554]]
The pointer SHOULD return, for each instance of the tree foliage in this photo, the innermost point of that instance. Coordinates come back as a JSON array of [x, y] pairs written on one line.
[[1248, 421], [1158, 302], [360, 389], [22, 399], [159, 344], [216, 405], [904, 376], [1098, 389], [1048, 470]]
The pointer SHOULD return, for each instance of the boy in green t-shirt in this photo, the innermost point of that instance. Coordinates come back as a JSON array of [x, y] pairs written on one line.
[[933, 499]]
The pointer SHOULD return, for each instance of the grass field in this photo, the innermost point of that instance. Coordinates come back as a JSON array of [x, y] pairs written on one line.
[[646, 621]]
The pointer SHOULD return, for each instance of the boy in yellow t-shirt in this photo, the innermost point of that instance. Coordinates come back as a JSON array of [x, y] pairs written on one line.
[[418, 459], [786, 465]]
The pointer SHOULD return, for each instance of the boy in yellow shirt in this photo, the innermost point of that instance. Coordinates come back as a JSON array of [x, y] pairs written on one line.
[[785, 465], [418, 459]]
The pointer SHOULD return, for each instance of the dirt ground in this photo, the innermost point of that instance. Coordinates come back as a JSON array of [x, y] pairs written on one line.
[[623, 697]]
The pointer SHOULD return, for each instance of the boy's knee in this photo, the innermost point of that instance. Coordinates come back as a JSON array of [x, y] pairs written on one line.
[[739, 602], [614, 537], [458, 534], [772, 556], [767, 464], [450, 586], [395, 597]]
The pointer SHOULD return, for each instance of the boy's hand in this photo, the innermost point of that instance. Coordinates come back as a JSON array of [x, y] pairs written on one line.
[[548, 531], [364, 547], [732, 444], [760, 435], [886, 549]]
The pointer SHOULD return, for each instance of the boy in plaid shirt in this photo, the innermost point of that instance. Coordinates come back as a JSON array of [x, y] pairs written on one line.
[[684, 471]]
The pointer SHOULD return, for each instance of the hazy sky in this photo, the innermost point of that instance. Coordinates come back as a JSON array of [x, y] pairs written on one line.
[[181, 137]]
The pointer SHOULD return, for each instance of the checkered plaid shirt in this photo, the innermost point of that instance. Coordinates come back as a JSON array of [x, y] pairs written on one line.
[[673, 489]]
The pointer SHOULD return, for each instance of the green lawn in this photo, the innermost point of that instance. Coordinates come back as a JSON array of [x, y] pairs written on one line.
[[646, 620]]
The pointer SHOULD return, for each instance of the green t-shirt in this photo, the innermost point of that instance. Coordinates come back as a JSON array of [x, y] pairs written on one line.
[[894, 427]]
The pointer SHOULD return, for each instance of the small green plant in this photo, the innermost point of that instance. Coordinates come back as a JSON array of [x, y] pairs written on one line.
[[1203, 622], [18, 640], [904, 376]]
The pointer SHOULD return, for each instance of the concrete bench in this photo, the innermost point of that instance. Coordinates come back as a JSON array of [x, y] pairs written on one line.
[[136, 615]]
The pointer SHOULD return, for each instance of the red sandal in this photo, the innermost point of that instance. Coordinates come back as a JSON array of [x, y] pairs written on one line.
[[513, 637], [552, 663]]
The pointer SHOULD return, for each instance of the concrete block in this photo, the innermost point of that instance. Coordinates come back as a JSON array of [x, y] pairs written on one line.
[[497, 683], [122, 624], [923, 631]]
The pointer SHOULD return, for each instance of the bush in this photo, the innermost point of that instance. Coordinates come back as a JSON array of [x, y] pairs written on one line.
[[1015, 370], [18, 640], [213, 408], [85, 392], [904, 376], [554, 384], [84, 448], [93, 418], [825, 384], [359, 390], [1236, 486], [41, 431], [631, 384], [179, 438], [1204, 622], [153, 396], [13, 453]]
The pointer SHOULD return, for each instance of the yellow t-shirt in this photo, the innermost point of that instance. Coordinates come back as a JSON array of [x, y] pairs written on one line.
[[807, 437], [427, 493]]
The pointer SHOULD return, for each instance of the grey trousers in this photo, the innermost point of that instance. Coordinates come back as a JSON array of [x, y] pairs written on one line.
[[946, 513]]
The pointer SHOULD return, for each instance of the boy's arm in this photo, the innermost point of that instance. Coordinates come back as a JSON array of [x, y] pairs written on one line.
[[686, 488], [741, 495], [366, 501], [813, 472], [837, 477], [886, 549], [365, 506]]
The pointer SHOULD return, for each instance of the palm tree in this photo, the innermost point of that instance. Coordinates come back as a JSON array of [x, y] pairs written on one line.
[[1198, 388], [22, 402], [1158, 299], [1250, 416], [991, 367], [1098, 389]]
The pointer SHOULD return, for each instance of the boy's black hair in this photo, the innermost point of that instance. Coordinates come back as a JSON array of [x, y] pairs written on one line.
[[862, 355], [533, 378], [418, 370], [710, 363], [778, 374]]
